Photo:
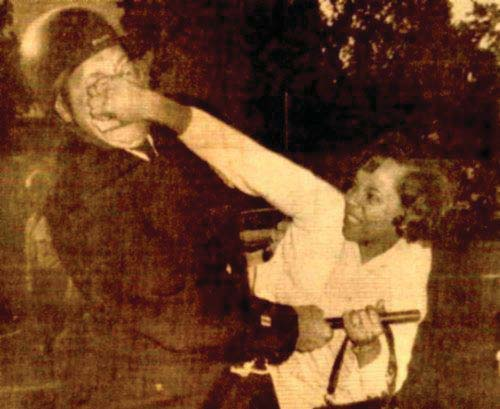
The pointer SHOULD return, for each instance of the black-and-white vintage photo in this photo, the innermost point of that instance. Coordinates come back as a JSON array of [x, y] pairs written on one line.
[[249, 204]]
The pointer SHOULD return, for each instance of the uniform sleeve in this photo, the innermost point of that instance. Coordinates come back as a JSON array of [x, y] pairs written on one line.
[[272, 331]]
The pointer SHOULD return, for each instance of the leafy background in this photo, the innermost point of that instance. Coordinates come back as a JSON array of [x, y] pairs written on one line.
[[329, 77], [317, 80]]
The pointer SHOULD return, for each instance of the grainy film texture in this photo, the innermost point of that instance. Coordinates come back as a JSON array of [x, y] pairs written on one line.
[[249, 204]]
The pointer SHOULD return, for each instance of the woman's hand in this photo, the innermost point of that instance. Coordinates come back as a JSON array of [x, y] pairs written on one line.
[[363, 327], [117, 97], [127, 101]]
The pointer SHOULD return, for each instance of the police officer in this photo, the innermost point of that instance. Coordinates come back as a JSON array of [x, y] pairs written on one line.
[[149, 235]]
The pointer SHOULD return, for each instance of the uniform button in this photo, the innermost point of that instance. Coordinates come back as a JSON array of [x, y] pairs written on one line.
[[159, 387], [266, 321], [229, 269]]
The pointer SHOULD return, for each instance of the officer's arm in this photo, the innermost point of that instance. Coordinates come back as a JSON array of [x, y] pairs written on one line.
[[271, 332]]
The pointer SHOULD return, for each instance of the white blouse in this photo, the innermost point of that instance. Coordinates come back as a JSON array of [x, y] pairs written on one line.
[[314, 264]]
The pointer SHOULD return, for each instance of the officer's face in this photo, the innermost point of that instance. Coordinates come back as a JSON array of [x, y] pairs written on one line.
[[373, 202], [108, 62]]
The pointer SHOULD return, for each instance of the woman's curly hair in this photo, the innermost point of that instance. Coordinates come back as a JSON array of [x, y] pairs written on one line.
[[427, 193]]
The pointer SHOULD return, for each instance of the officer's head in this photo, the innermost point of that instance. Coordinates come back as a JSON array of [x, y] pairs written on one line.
[[64, 52]]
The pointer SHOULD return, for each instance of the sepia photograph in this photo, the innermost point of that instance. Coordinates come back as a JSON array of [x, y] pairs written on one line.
[[249, 204]]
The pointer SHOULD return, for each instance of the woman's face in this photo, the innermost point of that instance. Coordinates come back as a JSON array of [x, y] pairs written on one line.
[[373, 202]]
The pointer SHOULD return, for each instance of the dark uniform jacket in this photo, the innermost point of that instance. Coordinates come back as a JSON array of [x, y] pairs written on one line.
[[154, 248]]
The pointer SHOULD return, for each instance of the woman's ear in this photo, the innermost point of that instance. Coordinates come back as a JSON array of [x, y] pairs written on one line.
[[415, 222], [62, 109]]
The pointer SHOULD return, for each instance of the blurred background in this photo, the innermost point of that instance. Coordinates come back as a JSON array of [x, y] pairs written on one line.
[[318, 80]]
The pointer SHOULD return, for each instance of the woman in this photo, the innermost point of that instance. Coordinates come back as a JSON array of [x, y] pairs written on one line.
[[352, 255]]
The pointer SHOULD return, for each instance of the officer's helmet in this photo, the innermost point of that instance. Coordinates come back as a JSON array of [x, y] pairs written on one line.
[[59, 41]]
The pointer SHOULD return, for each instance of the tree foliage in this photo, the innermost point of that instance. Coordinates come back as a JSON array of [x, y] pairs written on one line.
[[357, 68], [482, 27], [198, 52], [378, 65], [336, 74]]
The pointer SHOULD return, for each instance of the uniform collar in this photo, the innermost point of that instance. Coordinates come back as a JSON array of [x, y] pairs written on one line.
[[146, 151]]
